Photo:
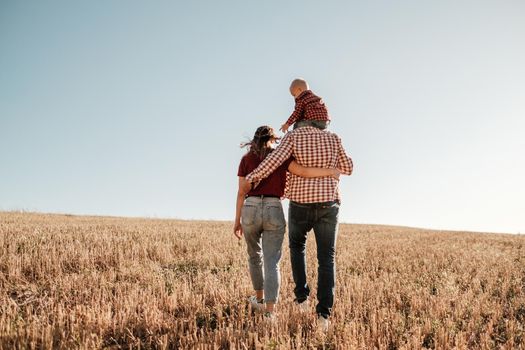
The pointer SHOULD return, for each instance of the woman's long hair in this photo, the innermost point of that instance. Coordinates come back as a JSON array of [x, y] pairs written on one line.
[[261, 142]]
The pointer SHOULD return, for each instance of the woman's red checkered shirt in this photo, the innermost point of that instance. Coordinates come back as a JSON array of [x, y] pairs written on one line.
[[311, 147]]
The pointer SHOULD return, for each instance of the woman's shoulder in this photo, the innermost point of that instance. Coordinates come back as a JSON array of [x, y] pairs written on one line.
[[251, 160], [249, 156]]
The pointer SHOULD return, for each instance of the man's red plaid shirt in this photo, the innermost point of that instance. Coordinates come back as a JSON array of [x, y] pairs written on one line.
[[311, 147], [308, 106]]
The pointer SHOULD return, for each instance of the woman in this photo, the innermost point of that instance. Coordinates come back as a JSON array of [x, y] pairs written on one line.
[[259, 217]]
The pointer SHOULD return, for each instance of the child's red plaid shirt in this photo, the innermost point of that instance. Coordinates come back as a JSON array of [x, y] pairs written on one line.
[[310, 147], [308, 106]]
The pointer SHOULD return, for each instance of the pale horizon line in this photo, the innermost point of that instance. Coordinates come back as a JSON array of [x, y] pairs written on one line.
[[155, 217]]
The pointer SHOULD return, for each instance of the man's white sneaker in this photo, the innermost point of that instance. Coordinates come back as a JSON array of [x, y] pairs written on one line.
[[257, 305], [302, 307], [322, 324]]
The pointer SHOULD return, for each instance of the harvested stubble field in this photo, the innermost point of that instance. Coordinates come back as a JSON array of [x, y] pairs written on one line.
[[103, 282]]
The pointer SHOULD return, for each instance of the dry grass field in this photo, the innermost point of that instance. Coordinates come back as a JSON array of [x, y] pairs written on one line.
[[102, 282]]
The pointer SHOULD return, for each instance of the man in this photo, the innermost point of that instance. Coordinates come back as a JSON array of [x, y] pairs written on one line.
[[314, 204]]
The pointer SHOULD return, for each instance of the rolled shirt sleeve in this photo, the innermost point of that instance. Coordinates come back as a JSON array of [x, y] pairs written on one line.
[[344, 162]]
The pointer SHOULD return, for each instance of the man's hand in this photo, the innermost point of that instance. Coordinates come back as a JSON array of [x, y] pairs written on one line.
[[237, 230], [336, 173], [284, 127]]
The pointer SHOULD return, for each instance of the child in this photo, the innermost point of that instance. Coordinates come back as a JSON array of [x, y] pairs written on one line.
[[310, 109]]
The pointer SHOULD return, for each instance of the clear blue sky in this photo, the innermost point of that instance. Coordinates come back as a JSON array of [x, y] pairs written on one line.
[[137, 108]]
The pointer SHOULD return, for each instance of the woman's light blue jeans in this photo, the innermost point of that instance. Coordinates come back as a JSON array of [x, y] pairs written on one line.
[[263, 224]]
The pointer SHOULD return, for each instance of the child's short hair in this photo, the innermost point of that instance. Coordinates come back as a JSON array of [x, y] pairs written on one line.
[[299, 83]]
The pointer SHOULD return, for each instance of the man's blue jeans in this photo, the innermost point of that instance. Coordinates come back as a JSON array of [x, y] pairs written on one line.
[[323, 219]]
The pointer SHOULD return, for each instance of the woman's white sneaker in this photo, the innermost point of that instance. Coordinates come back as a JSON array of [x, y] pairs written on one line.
[[270, 317], [257, 305]]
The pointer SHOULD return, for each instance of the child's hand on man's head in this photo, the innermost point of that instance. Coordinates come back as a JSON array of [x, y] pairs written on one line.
[[284, 127]]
